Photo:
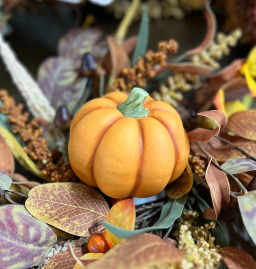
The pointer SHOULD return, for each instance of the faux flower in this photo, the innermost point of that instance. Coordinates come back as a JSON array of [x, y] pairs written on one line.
[[248, 69]]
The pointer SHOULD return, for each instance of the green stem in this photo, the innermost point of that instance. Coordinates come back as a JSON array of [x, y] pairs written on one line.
[[223, 170], [126, 21], [133, 107]]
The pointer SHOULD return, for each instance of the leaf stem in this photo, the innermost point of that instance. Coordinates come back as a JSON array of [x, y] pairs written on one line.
[[223, 170], [237, 147], [126, 21]]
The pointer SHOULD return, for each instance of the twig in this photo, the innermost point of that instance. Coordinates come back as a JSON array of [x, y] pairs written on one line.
[[168, 232], [237, 147], [148, 216], [94, 225], [150, 206], [19, 193], [126, 21], [74, 256], [223, 170]]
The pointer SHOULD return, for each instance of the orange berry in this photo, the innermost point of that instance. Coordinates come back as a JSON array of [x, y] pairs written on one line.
[[99, 243]]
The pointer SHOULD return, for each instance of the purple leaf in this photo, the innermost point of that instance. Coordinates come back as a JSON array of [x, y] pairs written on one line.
[[237, 166]]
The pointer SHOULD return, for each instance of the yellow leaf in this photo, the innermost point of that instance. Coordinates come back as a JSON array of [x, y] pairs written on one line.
[[219, 100], [122, 215], [232, 107], [19, 153], [88, 256], [180, 186]]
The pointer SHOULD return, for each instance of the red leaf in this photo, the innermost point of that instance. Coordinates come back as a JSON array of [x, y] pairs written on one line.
[[64, 260], [185, 67], [24, 240], [219, 188], [7, 164], [204, 135], [243, 123], [226, 74], [236, 258], [211, 29], [116, 59]]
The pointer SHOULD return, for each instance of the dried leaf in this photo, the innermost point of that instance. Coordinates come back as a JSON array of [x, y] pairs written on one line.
[[36, 101], [24, 240], [129, 44], [236, 258], [123, 215], [7, 164], [211, 29], [141, 251], [19, 153], [75, 43], [58, 79], [116, 59], [181, 185], [226, 74], [5, 182], [222, 152], [171, 211], [64, 260], [185, 67], [243, 123], [71, 207], [219, 188], [247, 206], [88, 258], [200, 134], [141, 46], [236, 166]]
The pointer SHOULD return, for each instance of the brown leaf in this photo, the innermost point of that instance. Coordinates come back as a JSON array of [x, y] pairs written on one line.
[[200, 134], [129, 44], [116, 59], [141, 251], [7, 164], [185, 67], [87, 259], [181, 185], [221, 151], [71, 207], [243, 123], [219, 188], [236, 258], [211, 29], [226, 74], [64, 260]]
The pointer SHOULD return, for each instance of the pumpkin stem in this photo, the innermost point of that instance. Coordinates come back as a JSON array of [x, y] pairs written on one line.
[[133, 107]]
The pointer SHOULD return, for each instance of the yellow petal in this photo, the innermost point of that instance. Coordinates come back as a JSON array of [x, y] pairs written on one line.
[[232, 107], [251, 62], [250, 81]]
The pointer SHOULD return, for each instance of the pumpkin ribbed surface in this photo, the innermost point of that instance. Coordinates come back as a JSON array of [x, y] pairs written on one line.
[[127, 156]]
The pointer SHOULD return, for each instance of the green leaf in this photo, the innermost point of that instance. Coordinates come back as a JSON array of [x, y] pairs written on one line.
[[142, 43], [217, 232], [5, 182], [247, 206], [171, 211], [247, 101]]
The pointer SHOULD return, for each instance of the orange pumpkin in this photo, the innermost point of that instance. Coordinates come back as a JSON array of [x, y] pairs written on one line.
[[99, 243], [128, 147]]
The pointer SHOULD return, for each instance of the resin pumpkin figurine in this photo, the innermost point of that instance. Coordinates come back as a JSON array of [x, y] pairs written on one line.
[[128, 146]]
